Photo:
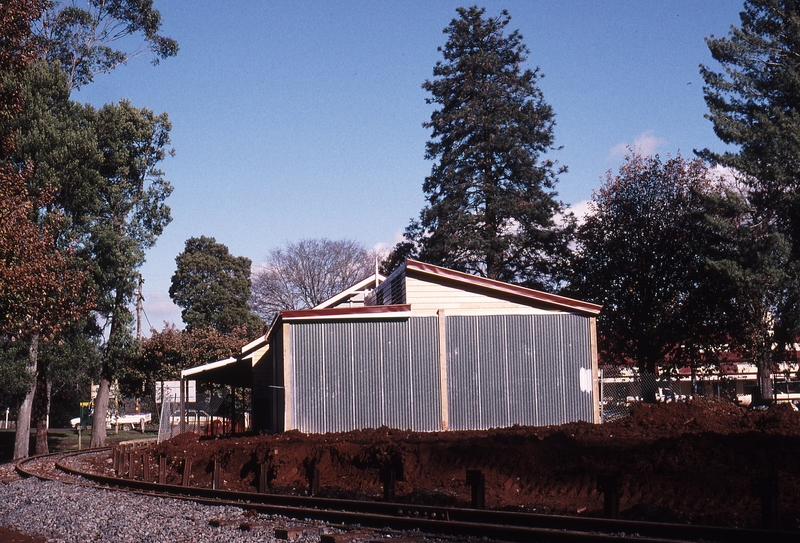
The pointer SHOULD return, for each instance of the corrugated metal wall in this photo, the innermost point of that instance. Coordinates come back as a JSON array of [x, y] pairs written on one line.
[[366, 374], [268, 392], [517, 369], [501, 370]]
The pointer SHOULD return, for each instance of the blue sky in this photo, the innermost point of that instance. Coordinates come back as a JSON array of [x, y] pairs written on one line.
[[297, 120]]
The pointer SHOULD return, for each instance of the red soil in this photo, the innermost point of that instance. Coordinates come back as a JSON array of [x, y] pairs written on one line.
[[694, 462]]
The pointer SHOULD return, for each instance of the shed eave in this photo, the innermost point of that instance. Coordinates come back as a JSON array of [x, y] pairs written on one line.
[[347, 313]]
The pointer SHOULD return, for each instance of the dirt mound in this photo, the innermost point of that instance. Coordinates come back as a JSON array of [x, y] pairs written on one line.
[[689, 462]]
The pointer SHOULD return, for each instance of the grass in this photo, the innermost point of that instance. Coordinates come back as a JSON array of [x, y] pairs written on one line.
[[62, 440]]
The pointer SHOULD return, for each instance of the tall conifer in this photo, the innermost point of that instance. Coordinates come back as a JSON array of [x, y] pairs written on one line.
[[754, 104], [491, 199]]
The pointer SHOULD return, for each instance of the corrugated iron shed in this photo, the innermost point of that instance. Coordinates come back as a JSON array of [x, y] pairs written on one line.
[[430, 349]]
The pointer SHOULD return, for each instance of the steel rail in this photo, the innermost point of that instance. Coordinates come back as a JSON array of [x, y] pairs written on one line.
[[497, 525]]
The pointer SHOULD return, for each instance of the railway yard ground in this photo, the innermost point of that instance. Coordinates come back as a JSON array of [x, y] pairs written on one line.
[[701, 462], [692, 462]]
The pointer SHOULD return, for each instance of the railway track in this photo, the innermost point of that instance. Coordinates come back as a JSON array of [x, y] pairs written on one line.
[[71, 468]]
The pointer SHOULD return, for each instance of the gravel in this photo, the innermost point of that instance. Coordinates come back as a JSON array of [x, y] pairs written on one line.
[[71, 513]]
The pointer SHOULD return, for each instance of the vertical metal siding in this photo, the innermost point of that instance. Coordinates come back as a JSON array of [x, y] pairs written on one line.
[[423, 352], [552, 389], [463, 377], [396, 385], [523, 381], [338, 372], [350, 375], [502, 370], [367, 399], [308, 377], [517, 369], [577, 346]]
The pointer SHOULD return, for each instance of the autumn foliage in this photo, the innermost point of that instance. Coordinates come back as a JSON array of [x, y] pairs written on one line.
[[41, 292], [164, 354]]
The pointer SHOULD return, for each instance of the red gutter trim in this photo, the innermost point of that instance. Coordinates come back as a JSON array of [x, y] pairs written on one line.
[[375, 311], [506, 288]]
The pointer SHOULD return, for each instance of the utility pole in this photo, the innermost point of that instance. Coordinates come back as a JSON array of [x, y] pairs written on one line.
[[139, 300]]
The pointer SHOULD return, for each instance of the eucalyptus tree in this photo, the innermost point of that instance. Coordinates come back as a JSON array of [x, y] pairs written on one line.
[[491, 203], [80, 39], [130, 216]]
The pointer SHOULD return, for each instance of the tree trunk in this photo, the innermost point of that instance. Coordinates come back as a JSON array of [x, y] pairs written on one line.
[[101, 400], [765, 380], [100, 413], [648, 376], [22, 438], [42, 406]]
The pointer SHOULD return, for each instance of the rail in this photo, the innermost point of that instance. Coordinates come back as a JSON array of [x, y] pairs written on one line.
[[446, 521]]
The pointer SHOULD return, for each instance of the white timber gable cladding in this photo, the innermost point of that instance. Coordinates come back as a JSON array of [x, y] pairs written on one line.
[[430, 289], [426, 298]]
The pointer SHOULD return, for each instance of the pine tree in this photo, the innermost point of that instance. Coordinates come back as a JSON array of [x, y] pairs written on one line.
[[491, 199], [753, 104]]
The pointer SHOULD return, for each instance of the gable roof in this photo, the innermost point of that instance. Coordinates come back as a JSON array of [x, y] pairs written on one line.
[[497, 289], [352, 292]]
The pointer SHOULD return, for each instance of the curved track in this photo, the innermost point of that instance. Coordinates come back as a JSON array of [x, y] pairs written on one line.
[[493, 525]]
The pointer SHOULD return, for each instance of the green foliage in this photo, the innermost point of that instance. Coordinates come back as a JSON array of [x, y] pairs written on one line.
[[80, 39], [212, 287], [491, 199], [644, 253], [102, 165], [130, 212], [13, 373], [80, 183], [43, 291], [753, 104], [69, 363], [57, 136]]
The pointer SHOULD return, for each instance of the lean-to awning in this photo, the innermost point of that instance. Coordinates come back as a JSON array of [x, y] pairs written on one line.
[[235, 372]]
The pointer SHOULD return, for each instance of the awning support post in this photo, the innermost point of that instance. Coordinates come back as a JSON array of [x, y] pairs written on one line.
[[183, 405]]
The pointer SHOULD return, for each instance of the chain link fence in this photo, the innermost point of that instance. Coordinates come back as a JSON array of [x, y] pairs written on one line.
[[621, 388], [214, 412]]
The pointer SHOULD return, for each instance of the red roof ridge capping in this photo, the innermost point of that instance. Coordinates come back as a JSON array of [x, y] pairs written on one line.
[[506, 288], [339, 312]]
